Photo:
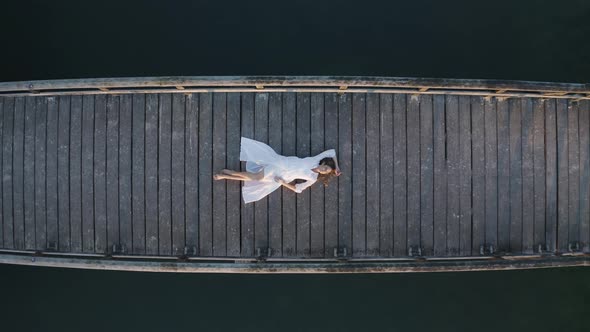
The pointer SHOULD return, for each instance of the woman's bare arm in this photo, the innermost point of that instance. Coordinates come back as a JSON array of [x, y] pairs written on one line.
[[337, 167], [286, 184]]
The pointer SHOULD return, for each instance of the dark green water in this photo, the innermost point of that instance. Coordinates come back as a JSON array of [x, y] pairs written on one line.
[[529, 40]]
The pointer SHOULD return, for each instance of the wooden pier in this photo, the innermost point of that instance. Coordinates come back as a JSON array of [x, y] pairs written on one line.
[[438, 175]]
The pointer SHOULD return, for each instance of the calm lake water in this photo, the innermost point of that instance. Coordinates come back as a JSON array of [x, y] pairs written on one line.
[[528, 40]]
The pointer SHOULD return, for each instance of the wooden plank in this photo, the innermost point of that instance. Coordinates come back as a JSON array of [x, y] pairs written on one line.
[[191, 167], [205, 174], [40, 174], [584, 125], [516, 203], [413, 127], [359, 176], [178, 176], [52, 175], [479, 174], [233, 162], [112, 170], [289, 148], [386, 175], [75, 174], [503, 118], [440, 180], [573, 173], [491, 171], [219, 163], [18, 173], [88, 174], [562, 176], [303, 150], [100, 187], [551, 175], [138, 160], [275, 125], [151, 175], [539, 172], [63, 169], [125, 172], [426, 176], [331, 191], [400, 171], [528, 216], [7, 113], [247, 222], [261, 206], [2, 125], [372, 164], [453, 148], [295, 81], [165, 174], [316, 191], [465, 180], [345, 180]]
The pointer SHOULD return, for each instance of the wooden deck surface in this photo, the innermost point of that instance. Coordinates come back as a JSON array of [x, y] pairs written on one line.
[[423, 175]]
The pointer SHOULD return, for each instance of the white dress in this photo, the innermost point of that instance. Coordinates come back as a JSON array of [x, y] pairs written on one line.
[[259, 156]]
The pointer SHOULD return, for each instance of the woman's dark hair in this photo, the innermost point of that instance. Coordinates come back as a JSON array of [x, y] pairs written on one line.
[[325, 178]]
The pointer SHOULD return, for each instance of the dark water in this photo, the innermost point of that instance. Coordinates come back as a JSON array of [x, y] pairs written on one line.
[[529, 40]]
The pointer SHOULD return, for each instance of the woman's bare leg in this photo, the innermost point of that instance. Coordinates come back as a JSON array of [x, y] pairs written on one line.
[[227, 177], [241, 176]]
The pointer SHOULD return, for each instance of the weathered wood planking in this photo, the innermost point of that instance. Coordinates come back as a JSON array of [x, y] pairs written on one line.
[[303, 150], [151, 175], [100, 187], [539, 167], [573, 175], [453, 164], [551, 175], [528, 217], [233, 162], [430, 175], [441, 192], [275, 199], [516, 204], [112, 169], [400, 179], [359, 179], [465, 171], [491, 172], [178, 174], [344, 153], [331, 192], [503, 129], [75, 174], [138, 157], [426, 176], [191, 167], [261, 206], [372, 164], [386, 183], [18, 177], [247, 221], [40, 174], [413, 173], [289, 148], [317, 191], [7, 119], [584, 125], [88, 174], [478, 206], [219, 163], [206, 175], [165, 175], [125, 173]]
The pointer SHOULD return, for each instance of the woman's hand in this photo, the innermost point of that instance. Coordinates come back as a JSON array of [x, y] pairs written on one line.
[[337, 172]]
